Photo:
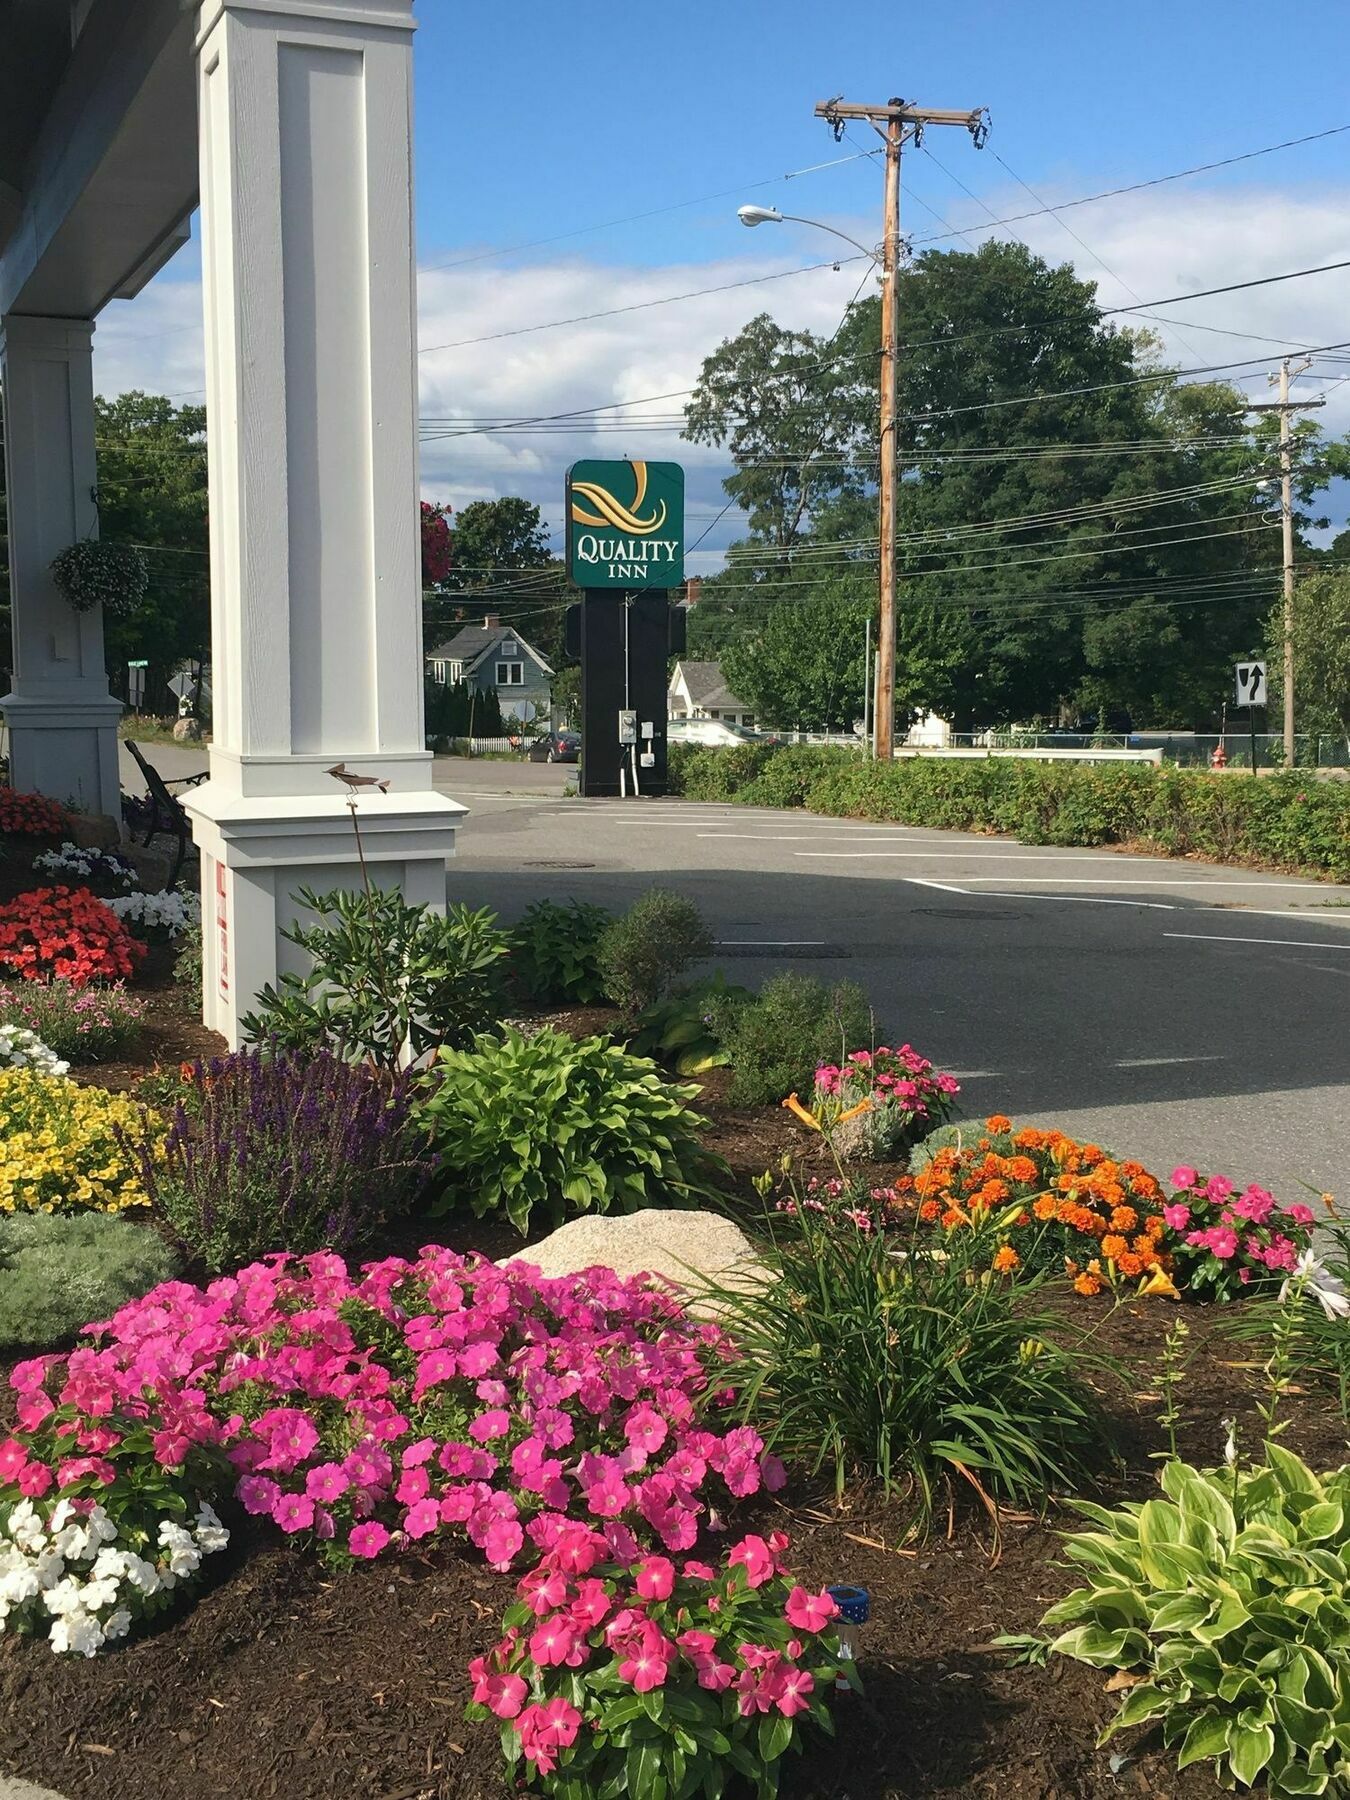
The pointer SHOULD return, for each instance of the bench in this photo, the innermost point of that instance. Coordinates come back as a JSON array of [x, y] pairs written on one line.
[[159, 809]]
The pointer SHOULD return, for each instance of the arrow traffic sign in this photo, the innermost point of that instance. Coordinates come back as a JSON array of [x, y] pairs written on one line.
[[1251, 684]]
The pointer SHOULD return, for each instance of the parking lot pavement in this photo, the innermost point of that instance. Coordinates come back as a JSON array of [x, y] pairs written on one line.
[[1175, 1011]]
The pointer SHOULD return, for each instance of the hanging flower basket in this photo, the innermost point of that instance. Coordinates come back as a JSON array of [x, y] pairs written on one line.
[[94, 573]]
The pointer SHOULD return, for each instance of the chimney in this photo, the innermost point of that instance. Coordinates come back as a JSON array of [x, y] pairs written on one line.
[[693, 590], [492, 621]]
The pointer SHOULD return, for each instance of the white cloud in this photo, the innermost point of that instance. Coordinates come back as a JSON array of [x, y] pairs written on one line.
[[1159, 243]]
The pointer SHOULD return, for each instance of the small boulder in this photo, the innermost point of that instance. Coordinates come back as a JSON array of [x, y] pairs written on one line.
[[152, 872], [187, 730], [676, 1247], [93, 831]]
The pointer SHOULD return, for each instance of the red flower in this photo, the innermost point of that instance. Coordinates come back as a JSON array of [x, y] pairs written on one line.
[[30, 815], [65, 934]]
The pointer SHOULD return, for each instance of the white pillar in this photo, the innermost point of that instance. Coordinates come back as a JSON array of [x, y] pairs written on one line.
[[307, 267], [62, 720]]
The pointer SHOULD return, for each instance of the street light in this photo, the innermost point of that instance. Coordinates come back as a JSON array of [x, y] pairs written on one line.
[[769, 215]]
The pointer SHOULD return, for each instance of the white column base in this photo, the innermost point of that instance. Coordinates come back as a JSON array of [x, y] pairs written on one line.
[[66, 748], [256, 853]]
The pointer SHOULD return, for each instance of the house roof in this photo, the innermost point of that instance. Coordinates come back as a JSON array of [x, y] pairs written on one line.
[[471, 643], [706, 687]]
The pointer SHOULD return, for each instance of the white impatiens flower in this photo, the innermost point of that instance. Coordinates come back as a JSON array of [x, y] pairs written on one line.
[[72, 859], [169, 911], [1312, 1277], [211, 1534], [79, 1633], [21, 1048]]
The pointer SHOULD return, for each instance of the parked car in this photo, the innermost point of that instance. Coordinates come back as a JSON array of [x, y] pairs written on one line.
[[713, 733], [556, 746]]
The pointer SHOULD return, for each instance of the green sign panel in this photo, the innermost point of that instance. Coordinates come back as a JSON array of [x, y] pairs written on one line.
[[625, 524]]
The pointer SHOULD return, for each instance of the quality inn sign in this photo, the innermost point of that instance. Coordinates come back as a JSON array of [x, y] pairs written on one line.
[[625, 524]]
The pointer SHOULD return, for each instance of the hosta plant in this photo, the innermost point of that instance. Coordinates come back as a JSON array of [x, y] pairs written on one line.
[[679, 1031], [555, 952], [386, 980], [1229, 1599], [560, 1125], [656, 1681]]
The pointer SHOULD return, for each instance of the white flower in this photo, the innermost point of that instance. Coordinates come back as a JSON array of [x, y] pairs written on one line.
[[79, 1633], [71, 859], [211, 1534], [117, 1624], [1230, 1442], [142, 1575], [23, 1049], [167, 910], [1312, 1277], [18, 1585]]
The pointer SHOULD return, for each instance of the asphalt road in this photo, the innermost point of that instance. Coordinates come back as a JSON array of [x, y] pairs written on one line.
[[1174, 1011]]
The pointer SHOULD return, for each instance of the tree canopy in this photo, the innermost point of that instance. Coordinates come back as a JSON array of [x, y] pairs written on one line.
[[1079, 532]]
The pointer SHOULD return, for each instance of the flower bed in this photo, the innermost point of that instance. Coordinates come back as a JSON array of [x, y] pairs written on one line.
[[66, 1148], [31, 815], [65, 934]]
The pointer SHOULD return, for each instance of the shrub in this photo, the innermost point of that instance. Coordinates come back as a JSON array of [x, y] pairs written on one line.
[[1224, 1245], [643, 954], [384, 977], [1291, 820], [62, 1146], [899, 1090], [287, 1151], [555, 952], [187, 965], [108, 866], [777, 1041], [31, 815], [65, 934], [159, 917], [645, 1680], [562, 1125], [1039, 1200], [58, 1273], [81, 1025], [917, 1373], [1228, 1600], [21, 1048], [378, 1409]]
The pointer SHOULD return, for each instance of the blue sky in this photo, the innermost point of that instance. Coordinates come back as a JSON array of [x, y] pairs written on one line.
[[543, 121]]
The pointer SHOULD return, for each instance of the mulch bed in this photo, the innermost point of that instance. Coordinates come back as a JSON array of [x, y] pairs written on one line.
[[283, 1680]]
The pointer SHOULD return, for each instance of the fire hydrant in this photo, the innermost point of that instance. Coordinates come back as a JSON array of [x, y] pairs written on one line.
[[1219, 760]]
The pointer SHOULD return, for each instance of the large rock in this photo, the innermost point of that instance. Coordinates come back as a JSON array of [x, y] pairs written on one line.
[[152, 866], [187, 730], [93, 831], [677, 1247]]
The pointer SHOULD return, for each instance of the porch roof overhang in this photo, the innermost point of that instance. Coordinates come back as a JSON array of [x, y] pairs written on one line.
[[98, 149]]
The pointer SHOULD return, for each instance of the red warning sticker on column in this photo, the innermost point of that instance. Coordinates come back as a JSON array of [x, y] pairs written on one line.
[[222, 933]]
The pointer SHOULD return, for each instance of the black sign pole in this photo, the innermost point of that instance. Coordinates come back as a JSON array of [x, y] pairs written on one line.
[[1251, 727]]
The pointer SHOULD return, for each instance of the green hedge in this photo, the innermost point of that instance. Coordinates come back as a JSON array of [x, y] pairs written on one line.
[[1288, 821]]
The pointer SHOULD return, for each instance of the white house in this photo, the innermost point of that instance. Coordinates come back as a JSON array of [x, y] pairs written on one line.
[[289, 123], [697, 691]]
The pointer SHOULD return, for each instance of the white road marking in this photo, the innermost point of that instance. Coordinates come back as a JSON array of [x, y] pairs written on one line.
[[1141, 881], [1041, 856], [770, 943], [974, 1074], [1162, 1062], [1076, 899], [1215, 937], [945, 887]]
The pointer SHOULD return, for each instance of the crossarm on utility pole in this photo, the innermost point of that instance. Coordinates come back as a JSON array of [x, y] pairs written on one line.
[[897, 109]]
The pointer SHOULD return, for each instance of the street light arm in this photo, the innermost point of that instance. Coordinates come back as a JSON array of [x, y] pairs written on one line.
[[796, 219], [768, 215]]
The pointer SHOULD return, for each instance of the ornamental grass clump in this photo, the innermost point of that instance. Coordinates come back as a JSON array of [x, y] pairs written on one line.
[[286, 1152], [79, 1025], [922, 1372], [1227, 1600], [652, 1679], [65, 1148], [560, 1125]]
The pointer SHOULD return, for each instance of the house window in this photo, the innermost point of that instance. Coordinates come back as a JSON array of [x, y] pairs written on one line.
[[748, 721], [509, 649], [457, 671], [510, 674], [438, 673], [713, 713]]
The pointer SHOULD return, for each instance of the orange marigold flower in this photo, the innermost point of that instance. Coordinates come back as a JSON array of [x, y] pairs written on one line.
[[1092, 1154], [1129, 1264], [1045, 1206], [998, 1124], [1021, 1168], [952, 1218], [1114, 1247], [930, 1210], [1155, 1226], [1087, 1284], [1124, 1218], [1006, 1260], [1143, 1245]]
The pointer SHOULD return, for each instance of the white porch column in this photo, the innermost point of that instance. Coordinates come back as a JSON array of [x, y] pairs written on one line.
[[307, 265], [62, 720]]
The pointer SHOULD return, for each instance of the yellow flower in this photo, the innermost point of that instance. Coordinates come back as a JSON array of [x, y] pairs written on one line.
[[63, 1147], [798, 1111], [1160, 1284]]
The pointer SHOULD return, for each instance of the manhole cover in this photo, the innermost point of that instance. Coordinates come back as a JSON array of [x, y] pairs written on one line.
[[965, 912], [557, 863]]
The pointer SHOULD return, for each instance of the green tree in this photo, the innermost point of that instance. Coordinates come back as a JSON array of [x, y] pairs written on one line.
[[501, 564], [802, 664], [1078, 530], [1321, 653]]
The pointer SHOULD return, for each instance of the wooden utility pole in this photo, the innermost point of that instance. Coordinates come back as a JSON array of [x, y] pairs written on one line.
[[898, 124], [1284, 406]]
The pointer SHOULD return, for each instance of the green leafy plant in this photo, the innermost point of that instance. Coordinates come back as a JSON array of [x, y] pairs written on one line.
[[920, 1372], [384, 977], [187, 965], [643, 954], [94, 573], [59, 1273], [562, 1125], [555, 951], [776, 1041], [679, 1032], [1229, 1598], [1308, 1324]]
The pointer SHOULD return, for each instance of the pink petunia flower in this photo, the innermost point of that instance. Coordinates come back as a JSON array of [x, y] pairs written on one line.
[[293, 1512], [368, 1540]]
